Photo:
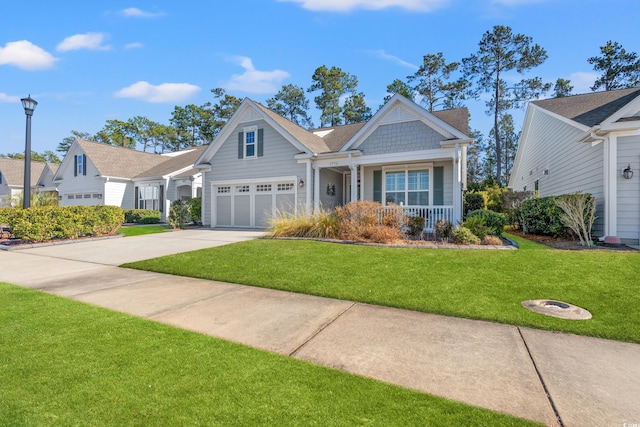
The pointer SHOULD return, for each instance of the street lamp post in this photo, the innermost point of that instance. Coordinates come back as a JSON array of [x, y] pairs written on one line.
[[29, 105]]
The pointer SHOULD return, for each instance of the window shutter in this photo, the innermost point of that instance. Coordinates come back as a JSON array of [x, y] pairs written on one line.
[[75, 165], [438, 185], [377, 186], [161, 201], [240, 145], [137, 196], [260, 142], [84, 164]]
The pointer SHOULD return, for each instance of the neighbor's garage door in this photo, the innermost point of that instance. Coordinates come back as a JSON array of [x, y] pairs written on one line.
[[252, 205]]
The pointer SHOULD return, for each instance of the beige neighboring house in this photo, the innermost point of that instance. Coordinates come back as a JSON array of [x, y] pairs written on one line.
[[12, 179], [98, 174]]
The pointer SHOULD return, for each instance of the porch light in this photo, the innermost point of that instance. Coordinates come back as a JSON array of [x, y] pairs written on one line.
[[628, 172], [301, 183]]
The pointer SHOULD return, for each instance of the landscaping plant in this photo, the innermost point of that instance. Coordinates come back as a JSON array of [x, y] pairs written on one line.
[[463, 236], [579, 214], [179, 214]]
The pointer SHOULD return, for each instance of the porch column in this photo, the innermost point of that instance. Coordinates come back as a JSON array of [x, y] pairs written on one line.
[[354, 183], [316, 188], [308, 206], [362, 182], [610, 148], [457, 189]]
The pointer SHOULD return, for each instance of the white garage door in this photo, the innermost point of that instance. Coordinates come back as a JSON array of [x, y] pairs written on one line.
[[252, 204]]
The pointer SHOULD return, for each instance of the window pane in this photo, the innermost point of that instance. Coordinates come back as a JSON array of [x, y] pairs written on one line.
[[251, 137], [419, 180], [251, 150], [419, 198], [394, 181], [395, 197]]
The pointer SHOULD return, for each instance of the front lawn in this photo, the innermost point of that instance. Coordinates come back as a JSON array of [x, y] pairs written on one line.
[[65, 363], [477, 284], [139, 230]]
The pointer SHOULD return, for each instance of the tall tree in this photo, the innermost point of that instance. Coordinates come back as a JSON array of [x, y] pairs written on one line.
[[501, 51], [562, 88], [64, 145], [46, 156], [333, 83], [474, 158], [116, 132], [619, 69], [510, 139], [355, 109], [432, 82], [194, 125], [401, 88], [223, 108], [290, 102], [142, 130]]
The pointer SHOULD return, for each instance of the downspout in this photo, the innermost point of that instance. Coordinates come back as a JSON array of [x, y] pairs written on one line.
[[457, 190], [354, 179], [308, 205]]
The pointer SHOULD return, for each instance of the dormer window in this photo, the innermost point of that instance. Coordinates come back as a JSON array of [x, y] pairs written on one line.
[[80, 165], [250, 143]]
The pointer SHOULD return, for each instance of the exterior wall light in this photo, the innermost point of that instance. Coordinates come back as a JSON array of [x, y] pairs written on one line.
[[628, 172], [301, 183]]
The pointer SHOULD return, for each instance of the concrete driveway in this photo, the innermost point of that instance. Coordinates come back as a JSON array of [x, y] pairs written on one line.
[[556, 379]]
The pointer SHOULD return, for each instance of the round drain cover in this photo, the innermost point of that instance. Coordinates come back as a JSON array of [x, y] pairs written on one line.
[[555, 308]]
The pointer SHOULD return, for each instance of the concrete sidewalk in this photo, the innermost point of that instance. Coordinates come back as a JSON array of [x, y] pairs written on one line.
[[548, 377]]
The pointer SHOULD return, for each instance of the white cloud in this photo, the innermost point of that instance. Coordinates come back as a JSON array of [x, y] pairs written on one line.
[[582, 81], [163, 93], [4, 98], [381, 54], [348, 5], [134, 45], [134, 12], [90, 41], [254, 81], [24, 54]]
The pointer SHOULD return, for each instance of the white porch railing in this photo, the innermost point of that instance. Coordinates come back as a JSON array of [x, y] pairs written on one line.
[[431, 214]]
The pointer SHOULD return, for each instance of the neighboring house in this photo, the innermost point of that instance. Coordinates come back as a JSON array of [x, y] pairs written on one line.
[[12, 179], [261, 164], [584, 143], [94, 174]]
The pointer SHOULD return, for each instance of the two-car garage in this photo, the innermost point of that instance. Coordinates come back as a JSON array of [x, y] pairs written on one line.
[[252, 203]]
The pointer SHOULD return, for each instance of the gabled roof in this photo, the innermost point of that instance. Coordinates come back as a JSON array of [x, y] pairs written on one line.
[[120, 162], [337, 137], [13, 171], [175, 163], [590, 109], [456, 117]]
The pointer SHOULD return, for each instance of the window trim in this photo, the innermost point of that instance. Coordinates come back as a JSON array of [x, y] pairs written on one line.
[[406, 169], [245, 132]]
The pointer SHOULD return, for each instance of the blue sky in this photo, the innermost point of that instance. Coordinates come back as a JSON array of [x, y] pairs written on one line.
[[87, 62]]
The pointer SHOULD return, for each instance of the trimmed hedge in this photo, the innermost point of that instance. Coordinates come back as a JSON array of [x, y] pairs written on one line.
[[492, 222], [195, 208], [39, 224], [141, 216], [542, 216]]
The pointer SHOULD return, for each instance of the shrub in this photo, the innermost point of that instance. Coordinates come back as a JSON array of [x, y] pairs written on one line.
[[493, 221], [579, 214], [492, 240], [542, 216], [511, 203], [323, 225], [477, 226], [195, 209], [44, 223], [463, 236], [359, 219], [416, 226], [443, 230], [142, 216], [179, 214], [472, 202]]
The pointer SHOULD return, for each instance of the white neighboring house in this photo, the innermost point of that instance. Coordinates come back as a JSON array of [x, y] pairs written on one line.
[[585, 143], [12, 179], [261, 163], [92, 173]]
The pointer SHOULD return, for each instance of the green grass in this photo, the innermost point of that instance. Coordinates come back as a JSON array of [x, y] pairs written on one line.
[[477, 284], [66, 363], [139, 230]]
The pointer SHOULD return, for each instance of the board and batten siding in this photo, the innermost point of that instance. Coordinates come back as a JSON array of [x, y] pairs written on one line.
[[554, 157], [401, 138], [628, 218], [119, 193], [277, 160]]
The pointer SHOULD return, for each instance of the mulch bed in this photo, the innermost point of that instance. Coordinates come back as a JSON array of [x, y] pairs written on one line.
[[568, 244]]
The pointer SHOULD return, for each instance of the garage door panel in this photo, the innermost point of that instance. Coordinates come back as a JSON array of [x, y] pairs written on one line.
[[263, 209], [242, 210], [223, 210], [286, 203]]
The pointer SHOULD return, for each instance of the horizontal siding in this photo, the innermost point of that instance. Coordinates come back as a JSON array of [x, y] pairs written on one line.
[[278, 160], [628, 189], [572, 166]]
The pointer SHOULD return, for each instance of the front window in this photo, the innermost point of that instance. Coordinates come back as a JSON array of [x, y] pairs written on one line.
[[148, 197], [408, 187], [80, 165], [250, 142]]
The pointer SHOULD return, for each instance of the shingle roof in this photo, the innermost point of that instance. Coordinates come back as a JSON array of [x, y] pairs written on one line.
[[339, 135], [592, 108], [119, 162], [13, 171], [458, 118], [176, 162]]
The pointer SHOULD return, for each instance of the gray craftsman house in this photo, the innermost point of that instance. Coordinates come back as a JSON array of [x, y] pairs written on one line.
[[586, 143], [261, 163]]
